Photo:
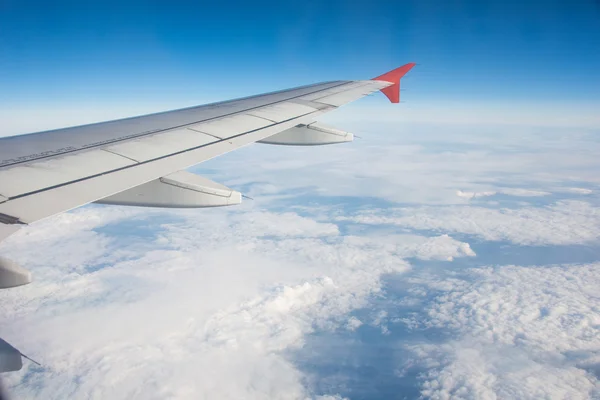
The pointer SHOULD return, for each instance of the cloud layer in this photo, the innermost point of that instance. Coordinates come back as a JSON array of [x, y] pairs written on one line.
[[142, 303], [565, 222], [516, 332], [205, 306]]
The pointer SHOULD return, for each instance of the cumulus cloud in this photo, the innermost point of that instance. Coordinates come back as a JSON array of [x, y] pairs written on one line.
[[353, 323], [473, 195], [519, 332], [198, 304]]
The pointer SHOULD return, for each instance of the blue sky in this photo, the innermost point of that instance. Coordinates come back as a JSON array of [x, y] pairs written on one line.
[[72, 52]]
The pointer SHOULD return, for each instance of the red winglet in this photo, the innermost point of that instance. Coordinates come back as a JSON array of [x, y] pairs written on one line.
[[393, 92]]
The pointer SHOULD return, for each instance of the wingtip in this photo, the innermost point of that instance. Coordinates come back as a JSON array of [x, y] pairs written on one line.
[[396, 74], [393, 91]]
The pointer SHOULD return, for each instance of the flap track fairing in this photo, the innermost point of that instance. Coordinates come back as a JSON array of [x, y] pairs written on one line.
[[314, 134], [181, 189]]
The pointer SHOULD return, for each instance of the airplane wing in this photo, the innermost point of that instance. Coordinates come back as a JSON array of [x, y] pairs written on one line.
[[141, 160]]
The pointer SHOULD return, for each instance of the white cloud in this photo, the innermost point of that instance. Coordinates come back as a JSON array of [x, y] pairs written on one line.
[[416, 164], [523, 192], [580, 190], [206, 306], [490, 113], [520, 332], [508, 191], [473, 195], [353, 324], [566, 222]]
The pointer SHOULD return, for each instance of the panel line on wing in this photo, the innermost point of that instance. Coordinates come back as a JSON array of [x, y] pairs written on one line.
[[224, 128], [204, 133], [261, 117], [117, 154], [152, 160]]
